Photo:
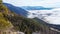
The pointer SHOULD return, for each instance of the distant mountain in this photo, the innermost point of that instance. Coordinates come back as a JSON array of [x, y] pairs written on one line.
[[15, 9], [35, 8]]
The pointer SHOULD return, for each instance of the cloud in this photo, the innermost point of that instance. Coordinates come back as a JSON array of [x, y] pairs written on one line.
[[53, 18], [45, 3]]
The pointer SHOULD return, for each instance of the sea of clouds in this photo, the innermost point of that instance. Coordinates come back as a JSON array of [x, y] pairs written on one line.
[[50, 16]]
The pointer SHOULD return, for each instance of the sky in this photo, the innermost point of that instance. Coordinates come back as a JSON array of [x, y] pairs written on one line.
[[44, 3]]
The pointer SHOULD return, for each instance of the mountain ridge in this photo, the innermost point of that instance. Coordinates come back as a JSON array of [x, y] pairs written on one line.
[[15, 9], [35, 8]]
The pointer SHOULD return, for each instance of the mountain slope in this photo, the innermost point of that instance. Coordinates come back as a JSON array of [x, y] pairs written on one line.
[[23, 24], [50, 25], [15, 9], [20, 23], [4, 23]]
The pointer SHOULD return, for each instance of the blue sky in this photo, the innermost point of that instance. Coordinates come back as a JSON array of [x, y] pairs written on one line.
[[44, 3]]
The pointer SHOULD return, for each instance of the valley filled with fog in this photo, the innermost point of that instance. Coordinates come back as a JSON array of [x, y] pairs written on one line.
[[50, 16]]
